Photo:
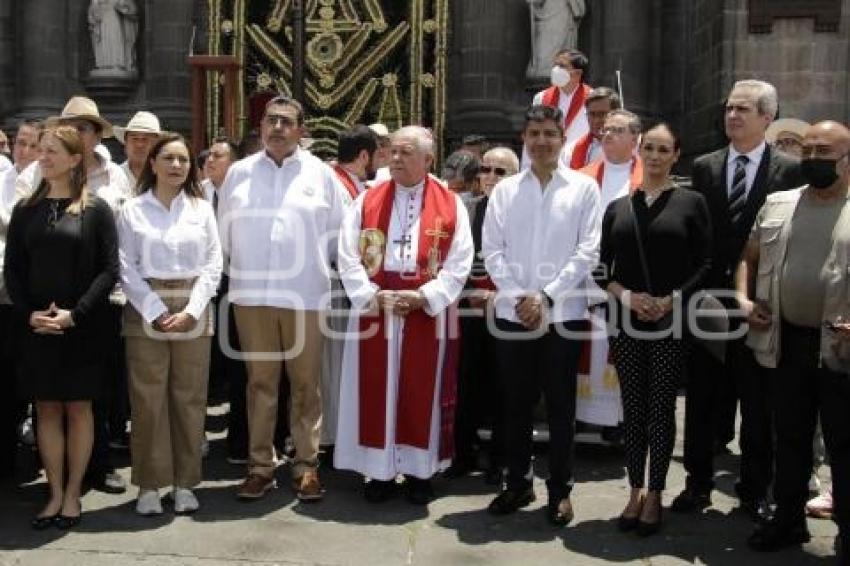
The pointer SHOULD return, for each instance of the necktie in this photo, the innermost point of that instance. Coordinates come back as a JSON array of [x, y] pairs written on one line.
[[215, 200], [738, 196]]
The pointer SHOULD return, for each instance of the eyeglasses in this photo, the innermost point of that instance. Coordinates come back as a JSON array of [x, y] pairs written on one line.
[[614, 130], [498, 171], [275, 119]]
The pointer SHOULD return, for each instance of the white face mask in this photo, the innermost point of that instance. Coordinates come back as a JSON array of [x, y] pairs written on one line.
[[560, 76]]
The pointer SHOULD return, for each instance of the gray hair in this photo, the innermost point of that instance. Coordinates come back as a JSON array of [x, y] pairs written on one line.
[[632, 120], [507, 154], [423, 136], [767, 99]]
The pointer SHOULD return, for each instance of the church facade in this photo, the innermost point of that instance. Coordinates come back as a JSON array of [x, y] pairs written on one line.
[[458, 66]]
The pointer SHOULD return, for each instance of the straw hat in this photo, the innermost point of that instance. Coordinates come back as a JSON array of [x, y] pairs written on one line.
[[81, 108], [789, 125], [380, 130], [142, 122]]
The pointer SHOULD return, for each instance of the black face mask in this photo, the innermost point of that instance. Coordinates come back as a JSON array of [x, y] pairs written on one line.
[[819, 173]]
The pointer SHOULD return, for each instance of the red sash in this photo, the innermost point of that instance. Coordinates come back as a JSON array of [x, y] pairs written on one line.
[[345, 178], [580, 151], [552, 95], [421, 341], [597, 171]]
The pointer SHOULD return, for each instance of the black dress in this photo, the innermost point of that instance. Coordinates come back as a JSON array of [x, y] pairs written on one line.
[[72, 260]]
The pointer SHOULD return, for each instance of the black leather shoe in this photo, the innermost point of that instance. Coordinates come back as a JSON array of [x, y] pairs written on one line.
[[689, 501], [510, 500], [775, 536], [458, 469], [556, 516], [378, 491], [419, 491], [626, 524], [758, 509], [64, 522], [42, 523]]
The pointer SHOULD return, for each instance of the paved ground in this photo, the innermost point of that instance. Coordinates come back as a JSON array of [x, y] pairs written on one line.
[[344, 529]]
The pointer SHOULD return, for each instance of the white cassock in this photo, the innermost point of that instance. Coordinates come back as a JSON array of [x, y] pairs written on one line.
[[598, 392], [440, 292], [334, 341]]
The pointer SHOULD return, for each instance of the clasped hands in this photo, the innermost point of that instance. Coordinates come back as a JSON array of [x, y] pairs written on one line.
[[399, 303], [530, 310], [177, 322], [51, 321], [647, 307]]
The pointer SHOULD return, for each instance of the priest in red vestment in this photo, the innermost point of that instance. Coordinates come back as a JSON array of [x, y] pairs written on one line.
[[568, 93], [588, 148], [405, 251]]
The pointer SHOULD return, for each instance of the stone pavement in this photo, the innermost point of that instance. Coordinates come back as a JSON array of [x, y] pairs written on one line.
[[345, 530]]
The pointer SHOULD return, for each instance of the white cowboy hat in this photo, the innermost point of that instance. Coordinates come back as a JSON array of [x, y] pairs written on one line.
[[81, 108], [141, 122], [790, 125]]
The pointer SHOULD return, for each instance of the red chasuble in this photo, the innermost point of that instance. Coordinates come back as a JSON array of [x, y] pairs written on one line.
[[580, 151], [552, 95], [345, 179], [420, 348]]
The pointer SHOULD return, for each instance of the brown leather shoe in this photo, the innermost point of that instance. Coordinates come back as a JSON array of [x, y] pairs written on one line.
[[255, 486], [308, 488]]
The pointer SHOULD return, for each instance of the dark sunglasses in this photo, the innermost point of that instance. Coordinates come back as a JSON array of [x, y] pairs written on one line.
[[499, 171]]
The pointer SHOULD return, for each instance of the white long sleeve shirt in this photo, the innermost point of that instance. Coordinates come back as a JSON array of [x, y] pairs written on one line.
[[180, 242], [107, 181], [400, 253], [278, 226], [542, 239]]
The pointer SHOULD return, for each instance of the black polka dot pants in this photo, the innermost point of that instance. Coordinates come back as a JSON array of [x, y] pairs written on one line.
[[649, 372]]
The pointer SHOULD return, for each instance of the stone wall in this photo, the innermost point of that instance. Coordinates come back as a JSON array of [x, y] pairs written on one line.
[[809, 69]]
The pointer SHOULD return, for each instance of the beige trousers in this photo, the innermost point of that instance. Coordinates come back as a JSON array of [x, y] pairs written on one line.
[[168, 402], [298, 335]]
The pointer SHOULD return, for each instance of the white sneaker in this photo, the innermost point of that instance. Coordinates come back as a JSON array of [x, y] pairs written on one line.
[[185, 501], [148, 502]]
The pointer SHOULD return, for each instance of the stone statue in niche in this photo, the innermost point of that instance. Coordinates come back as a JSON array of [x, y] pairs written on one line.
[[554, 26], [114, 26]]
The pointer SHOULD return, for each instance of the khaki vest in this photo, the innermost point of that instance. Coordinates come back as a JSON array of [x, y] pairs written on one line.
[[773, 228]]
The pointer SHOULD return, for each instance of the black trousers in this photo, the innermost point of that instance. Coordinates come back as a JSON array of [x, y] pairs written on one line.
[[704, 405], [649, 372], [479, 398], [801, 391], [529, 367]]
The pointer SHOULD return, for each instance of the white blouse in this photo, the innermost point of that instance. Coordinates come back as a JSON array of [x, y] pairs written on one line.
[[156, 242]]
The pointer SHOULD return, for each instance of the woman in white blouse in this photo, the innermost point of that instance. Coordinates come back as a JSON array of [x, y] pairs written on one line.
[[170, 267]]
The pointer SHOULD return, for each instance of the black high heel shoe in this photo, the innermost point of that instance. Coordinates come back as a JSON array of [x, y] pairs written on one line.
[[42, 523], [65, 522], [646, 529], [626, 524]]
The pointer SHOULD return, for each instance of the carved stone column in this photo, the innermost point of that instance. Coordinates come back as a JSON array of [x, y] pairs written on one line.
[[43, 57], [167, 34], [7, 59], [489, 53]]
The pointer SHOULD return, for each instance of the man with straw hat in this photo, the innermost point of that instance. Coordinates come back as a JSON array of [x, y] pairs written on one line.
[[138, 136], [786, 134], [105, 179]]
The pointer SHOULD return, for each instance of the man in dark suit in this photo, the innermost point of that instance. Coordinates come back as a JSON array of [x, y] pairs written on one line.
[[735, 181]]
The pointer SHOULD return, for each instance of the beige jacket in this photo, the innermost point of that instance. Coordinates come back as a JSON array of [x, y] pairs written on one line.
[[772, 229]]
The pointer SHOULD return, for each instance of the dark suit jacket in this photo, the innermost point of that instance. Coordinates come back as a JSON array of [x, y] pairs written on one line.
[[776, 172]]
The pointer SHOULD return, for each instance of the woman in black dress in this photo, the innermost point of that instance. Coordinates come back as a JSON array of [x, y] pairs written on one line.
[[674, 231], [61, 263]]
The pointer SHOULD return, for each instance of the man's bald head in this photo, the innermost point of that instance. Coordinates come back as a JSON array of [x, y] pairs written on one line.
[[826, 155], [828, 132]]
